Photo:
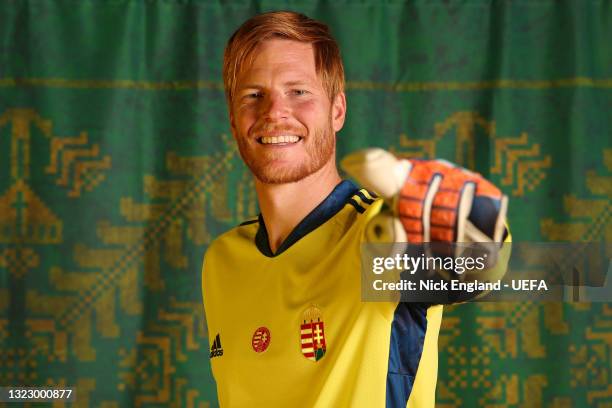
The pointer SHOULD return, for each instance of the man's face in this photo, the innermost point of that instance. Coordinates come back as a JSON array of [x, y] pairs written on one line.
[[281, 116]]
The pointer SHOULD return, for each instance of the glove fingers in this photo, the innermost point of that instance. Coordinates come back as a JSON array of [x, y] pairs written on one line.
[[488, 211], [439, 202], [450, 208], [410, 210], [476, 201], [416, 200], [435, 201]]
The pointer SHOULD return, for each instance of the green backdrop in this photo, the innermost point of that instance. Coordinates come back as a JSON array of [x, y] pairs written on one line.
[[117, 169]]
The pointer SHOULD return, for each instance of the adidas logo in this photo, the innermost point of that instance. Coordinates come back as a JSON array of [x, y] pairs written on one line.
[[216, 350]]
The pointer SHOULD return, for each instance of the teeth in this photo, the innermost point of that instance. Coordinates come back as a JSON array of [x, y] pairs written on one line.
[[279, 139]]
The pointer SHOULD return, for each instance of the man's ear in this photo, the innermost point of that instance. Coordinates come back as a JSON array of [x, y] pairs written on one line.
[[338, 111], [232, 123]]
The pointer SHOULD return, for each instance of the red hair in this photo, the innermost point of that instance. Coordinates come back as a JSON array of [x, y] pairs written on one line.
[[240, 49]]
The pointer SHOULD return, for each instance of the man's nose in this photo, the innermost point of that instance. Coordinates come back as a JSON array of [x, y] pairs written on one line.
[[276, 107]]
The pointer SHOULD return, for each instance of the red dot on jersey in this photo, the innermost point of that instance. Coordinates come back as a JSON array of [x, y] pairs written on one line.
[[261, 339]]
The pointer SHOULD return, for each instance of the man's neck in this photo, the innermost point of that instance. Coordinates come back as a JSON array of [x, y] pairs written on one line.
[[283, 206]]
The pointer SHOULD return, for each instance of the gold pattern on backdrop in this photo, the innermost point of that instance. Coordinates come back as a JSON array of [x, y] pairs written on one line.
[[71, 160], [26, 219], [464, 125], [76, 162], [588, 217], [515, 330], [509, 330], [141, 244], [83, 388], [19, 365], [19, 260], [149, 367], [594, 366], [520, 163], [108, 277], [127, 257]]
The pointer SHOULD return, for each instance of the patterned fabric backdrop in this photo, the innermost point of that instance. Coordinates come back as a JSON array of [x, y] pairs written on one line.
[[117, 169]]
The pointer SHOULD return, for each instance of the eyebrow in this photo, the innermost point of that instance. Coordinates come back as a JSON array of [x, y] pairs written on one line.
[[249, 86], [294, 83]]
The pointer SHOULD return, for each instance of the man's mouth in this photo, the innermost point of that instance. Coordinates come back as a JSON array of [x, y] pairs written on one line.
[[279, 140]]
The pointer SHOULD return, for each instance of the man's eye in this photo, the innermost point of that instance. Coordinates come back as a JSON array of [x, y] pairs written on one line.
[[253, 95], [299, 92]]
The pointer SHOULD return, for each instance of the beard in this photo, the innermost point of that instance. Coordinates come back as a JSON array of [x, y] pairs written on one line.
[[320, 148]]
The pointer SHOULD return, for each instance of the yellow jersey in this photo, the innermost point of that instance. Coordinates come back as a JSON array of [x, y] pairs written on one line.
[[289, 329]]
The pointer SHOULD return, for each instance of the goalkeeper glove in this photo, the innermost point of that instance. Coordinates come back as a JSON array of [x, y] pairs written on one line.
[[433, 200]]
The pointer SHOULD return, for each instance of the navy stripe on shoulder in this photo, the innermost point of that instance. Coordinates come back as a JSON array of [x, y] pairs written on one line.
[[358, 207], [363, 197]]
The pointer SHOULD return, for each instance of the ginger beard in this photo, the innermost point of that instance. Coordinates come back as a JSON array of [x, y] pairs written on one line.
[[270, 164]]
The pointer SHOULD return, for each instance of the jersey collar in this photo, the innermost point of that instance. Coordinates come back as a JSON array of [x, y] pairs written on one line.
[[333, 203]]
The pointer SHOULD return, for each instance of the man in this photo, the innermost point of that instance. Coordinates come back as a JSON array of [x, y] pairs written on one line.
[[282, 292]]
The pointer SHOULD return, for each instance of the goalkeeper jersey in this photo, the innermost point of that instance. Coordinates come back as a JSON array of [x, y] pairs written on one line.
[[289, 329]]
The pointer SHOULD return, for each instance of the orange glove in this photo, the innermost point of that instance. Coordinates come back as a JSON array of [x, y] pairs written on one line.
[[434, 200]]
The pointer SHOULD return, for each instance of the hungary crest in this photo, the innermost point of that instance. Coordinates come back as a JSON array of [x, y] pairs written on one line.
[[312, 334]]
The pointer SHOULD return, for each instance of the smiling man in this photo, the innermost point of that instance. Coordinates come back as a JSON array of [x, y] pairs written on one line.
[[284, 117], [282, 292]]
